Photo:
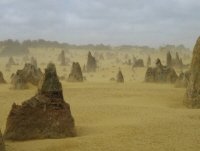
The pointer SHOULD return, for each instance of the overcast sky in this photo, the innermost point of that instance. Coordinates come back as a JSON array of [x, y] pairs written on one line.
[[141, 22]]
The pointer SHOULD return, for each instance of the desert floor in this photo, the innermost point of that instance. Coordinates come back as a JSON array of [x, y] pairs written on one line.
[[134, 116]]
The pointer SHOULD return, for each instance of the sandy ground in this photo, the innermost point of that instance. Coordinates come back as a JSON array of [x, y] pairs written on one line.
[[134, 116]]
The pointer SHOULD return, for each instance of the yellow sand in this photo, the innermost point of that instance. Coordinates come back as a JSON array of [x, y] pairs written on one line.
[[134, 116]]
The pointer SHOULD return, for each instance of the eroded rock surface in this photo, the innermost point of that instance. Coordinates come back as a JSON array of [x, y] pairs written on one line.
[[192, 98], [160, 74], [45, 115], [76, 73]]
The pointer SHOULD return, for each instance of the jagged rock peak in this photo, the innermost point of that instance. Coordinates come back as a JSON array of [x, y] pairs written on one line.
[[50, 84]]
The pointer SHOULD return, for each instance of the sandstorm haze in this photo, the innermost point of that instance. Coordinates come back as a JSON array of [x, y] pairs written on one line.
[[116, 22], [99, 75]]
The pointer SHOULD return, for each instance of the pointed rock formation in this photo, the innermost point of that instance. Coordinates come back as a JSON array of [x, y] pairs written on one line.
[[91, 63], [2, 145], [120, 77], [160, 73], [46, 115], [183, 80], [169, 59], [63, 60], [192, 98], [29, 74], [174, 62], [2, 80], [148, 61], [76, 73], [10, 63], [34, 62], [178, 61], [18, 82]]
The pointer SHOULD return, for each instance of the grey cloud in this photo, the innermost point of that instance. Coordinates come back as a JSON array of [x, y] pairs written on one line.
[[153, 23]]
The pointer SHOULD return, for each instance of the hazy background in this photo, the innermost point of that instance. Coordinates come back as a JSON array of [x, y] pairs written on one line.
[[142, 22]]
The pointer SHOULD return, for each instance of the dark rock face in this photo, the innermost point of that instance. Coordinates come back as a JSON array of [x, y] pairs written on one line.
[[76, 73], [63, 60], [169, 59], [138, 63], [160, 73], [46, 115], [174, 62], [18, 82], [50, 83], [2, 145], [2, 80], [183, 80], [29, 74], [91, 63], [192, 98], [177, 62], [120, 77], [148, 61]]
